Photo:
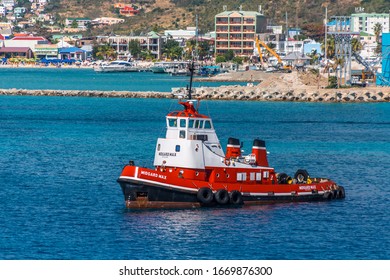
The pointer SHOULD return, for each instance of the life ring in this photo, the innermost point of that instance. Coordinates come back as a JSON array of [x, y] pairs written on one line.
[[236, 198], [222, 197], [301, 176], [227, 161], [205, 195]]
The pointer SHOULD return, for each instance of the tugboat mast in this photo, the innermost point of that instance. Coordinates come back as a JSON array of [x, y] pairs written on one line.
[[191, 68]]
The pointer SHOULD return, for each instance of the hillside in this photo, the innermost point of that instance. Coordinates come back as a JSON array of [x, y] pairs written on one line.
[[164, 14]]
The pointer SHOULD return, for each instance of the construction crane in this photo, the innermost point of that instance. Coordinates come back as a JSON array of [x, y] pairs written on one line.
[[280, 67], [368, 69]]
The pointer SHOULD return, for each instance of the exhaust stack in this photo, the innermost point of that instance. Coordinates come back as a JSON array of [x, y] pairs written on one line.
[[260, 152], [233, 149]]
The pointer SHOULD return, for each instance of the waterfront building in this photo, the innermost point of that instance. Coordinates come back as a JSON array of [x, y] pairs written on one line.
[[71, 53], [46, 51], [25, 41], [365, 22], [236, 30], [181, 35], [150, 42], [9, 52]]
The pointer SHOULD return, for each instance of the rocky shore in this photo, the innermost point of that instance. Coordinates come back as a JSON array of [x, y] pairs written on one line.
[[230, 93], [298, 87], [306, 95], [86, 93]]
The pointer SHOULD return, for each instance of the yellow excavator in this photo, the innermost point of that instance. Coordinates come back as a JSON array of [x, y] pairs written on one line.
[[279, 67]]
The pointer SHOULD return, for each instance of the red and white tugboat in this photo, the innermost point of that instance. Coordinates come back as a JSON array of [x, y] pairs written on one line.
[[192, 170]]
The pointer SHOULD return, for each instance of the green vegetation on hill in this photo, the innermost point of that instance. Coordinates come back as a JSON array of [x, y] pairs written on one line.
[[170, 14]]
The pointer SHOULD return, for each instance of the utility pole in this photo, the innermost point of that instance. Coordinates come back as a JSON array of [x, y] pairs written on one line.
[[286, 33], [196, 37], [326, 32]]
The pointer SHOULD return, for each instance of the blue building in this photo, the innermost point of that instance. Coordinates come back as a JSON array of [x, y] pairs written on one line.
[[383, 79]]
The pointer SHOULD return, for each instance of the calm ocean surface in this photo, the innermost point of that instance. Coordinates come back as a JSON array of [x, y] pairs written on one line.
[[87, 79], [60, 158]]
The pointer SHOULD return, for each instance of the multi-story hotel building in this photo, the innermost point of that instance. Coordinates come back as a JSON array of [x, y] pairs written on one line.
[[365, 22], [236, 30]]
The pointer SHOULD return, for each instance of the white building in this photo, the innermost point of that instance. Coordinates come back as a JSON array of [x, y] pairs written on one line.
[[107, 21], [2, 11], [25, 42], [365, 22], [181, 34], [81, 22], [9, 4]]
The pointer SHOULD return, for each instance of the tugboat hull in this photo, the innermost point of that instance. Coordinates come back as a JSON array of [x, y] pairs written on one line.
[[140, 195]]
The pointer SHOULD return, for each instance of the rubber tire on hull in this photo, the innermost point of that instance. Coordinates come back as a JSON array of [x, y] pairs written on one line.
[[328, 195], [301, 176], [282, 178], [205, 195], [222, 197], [236, 198], [341, 192]]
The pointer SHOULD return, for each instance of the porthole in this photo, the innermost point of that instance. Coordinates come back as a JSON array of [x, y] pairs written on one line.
[[196, 173]]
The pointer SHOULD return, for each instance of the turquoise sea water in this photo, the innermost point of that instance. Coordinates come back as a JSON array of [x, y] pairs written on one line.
[[87, 79], [61, 156]]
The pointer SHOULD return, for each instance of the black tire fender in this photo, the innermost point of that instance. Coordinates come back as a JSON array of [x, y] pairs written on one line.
[[205, 195], [328, 195], [222, 197], [236, 198], [341, 192], [282, 178], [301, 176]]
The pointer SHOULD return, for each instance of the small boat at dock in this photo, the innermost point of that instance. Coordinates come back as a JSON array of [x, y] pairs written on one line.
[[117, 66]]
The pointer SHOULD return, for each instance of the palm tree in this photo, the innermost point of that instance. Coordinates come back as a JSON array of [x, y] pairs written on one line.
[[330, 47], [356, 45], [105, 52], [190, 47], [377, 31]]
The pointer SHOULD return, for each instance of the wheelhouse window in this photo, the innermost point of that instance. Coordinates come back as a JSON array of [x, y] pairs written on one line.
[[207, 124], [172, 122], [183, 123]]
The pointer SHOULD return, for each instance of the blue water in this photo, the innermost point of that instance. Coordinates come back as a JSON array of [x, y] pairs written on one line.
[[61, 156], [87, 79]]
